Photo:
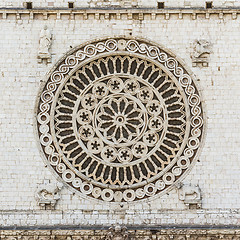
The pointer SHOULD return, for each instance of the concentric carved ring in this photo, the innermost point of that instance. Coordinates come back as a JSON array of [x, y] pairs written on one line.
[[119, 120]]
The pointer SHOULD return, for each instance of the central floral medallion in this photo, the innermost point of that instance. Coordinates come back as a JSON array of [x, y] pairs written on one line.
[[119, 119]]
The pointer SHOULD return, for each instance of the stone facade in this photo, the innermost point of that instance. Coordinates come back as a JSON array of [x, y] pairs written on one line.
[[122, 233], [216, 169], [117, 3]]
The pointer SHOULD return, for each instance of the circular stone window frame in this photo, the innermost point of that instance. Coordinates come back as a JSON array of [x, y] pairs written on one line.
[[103, 55], [179, 64]]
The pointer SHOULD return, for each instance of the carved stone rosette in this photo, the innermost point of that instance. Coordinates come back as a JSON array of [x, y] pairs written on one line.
[[119, 120]]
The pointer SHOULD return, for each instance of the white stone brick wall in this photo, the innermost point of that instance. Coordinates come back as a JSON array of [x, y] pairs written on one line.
[[22, 168], [141, 3]]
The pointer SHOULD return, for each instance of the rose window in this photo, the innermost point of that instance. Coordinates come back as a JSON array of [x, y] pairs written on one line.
[[119, 120]]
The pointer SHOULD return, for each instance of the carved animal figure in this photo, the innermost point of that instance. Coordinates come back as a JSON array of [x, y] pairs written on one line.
[[201, 47], [49, 192], [192, 191]]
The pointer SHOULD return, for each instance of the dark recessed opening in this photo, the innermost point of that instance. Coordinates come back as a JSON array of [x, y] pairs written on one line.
[[70, 5], [160, 5], [209, 4], [29, 5]]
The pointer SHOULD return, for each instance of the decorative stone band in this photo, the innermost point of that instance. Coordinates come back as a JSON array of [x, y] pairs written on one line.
[[161, 234], [135, 14]]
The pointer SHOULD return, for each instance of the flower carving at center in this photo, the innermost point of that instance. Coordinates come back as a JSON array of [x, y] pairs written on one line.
[[120, 119]]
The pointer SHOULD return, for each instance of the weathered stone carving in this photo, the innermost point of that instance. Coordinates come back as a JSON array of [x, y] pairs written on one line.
[[45, 41], [123, 234], [120, 120], [48, 194], [117, 233], [113, 3], [190, 195], [201, 51]]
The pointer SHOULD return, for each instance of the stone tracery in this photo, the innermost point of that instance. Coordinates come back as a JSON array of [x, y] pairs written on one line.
[[122, 126]]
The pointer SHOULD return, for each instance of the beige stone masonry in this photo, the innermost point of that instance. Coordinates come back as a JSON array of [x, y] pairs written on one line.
[[217, 170], [136, 14], [140, 234]]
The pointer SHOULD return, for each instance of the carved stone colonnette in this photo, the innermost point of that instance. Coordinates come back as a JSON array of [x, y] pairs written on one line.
[[163, 234]]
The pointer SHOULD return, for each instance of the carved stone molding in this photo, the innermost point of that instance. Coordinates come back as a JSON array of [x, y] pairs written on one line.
[[117, 233], [113, 3], [136, 14], [170, 234]]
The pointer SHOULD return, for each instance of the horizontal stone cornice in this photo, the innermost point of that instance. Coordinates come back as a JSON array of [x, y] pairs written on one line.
[[118, 14]]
